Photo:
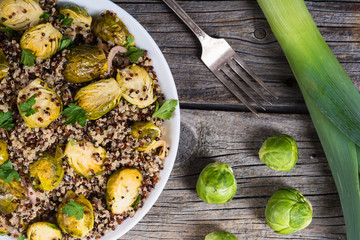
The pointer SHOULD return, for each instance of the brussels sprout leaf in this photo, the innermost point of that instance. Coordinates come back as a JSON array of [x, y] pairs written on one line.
[[166, 109], [45, 15], [22, 237], [138, 199], [6, 120], [10, 32], [65, 42], [134, 54], [130, 40], [7, 173], [28, 57], [75, 113], [72, 142], [65, 20], [27, 107], [74, 209]]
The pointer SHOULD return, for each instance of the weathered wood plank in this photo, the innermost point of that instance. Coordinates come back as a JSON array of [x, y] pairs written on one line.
[[235, 138]]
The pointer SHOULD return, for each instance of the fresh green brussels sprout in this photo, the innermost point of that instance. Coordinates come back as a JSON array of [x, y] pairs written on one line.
[[11, 193], [123, 189], [44, 231], [84, 63], [20, 14], [220, 235], [99, 98], [43, 40], [4, 65], [86, 159], [80, 16], [4, 155], [216, 183], [48, 105], [145, 131], [288, 211], [137, 86], [76, 227], [110, 28], [279, 152]]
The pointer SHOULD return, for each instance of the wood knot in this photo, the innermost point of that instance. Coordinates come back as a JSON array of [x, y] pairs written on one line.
[[260, 33]]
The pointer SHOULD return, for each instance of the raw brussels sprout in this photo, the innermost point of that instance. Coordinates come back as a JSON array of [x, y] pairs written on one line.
[[84, 63], [80, 16], [220, 235], [47, 172], [216, 183], [48, 104], [76, 228], [86, 159], [44, 231], [123, 189], [99, 98], [110, 28], [145, 131], [20, 14], [137, 86], [288, 211], [43, 40], [4, 65], [279, 153], [11, 193], [4, 155]]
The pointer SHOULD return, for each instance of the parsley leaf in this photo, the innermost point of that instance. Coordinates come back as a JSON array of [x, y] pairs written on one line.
[[138, 199], [6, 120], [75, 113], [22, 237], [134, 54], [10, 32], [129, 40], [74, 208], [45, 15], [65, 20], [28, 57], [65, 42], [7, 173], [27, 107], [166, 109]]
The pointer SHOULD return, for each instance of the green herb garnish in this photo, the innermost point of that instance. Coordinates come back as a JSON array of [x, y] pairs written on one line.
[[45, 15], [130, 40], [22, 237], [75, 113], [65, 42], [28, 57], [74, 208], [165, 111], [134, 54], [7, 173], [65, 20], [10, 32], [138, 199], [27, 107], [72, 142], [6, 120]]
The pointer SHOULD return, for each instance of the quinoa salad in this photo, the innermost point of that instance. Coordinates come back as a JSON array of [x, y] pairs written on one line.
[[81, 121]]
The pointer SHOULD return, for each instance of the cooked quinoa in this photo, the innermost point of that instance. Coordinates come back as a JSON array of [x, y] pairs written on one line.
[[111, 131]]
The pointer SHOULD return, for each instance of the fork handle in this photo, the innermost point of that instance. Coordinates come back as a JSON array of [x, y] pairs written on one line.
[[186, 19]]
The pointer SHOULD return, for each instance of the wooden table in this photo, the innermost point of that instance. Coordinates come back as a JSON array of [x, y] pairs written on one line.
[[216, 127]]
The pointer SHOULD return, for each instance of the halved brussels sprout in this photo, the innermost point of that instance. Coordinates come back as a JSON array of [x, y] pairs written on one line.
[[20, 14], [220, 235], [4, 155], [47, 172], [76, 228], [4, 232], [11, 193], [48, 104], [42, 39], [137, 86], [84, 63], [110, 28], [99, 98], [145, 131], [86, 159], [80, 16], [44, 231], [123, 189], [4, 65]]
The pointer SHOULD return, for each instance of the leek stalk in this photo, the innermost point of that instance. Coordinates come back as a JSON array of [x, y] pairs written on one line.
[[332, 99]]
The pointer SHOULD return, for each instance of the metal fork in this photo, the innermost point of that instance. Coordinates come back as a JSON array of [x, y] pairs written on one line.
[[224, 62]]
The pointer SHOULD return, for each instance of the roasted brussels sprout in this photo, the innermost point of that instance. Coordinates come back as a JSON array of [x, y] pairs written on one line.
[[4, 232], [123, 189], [110, 28], [11, 193], [44, 231], [216, 183], [76, 227], [137, 86], [86, 159], [4, 65], [279, 153], [288, 211], [99, 98], [220, 235], [4, 155], [48, 105], [43, 40], [146, 131], [20, 14], [80, 16], [84, 63]]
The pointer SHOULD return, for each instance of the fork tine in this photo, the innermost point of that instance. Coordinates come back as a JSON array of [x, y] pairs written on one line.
[[253, 75]]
